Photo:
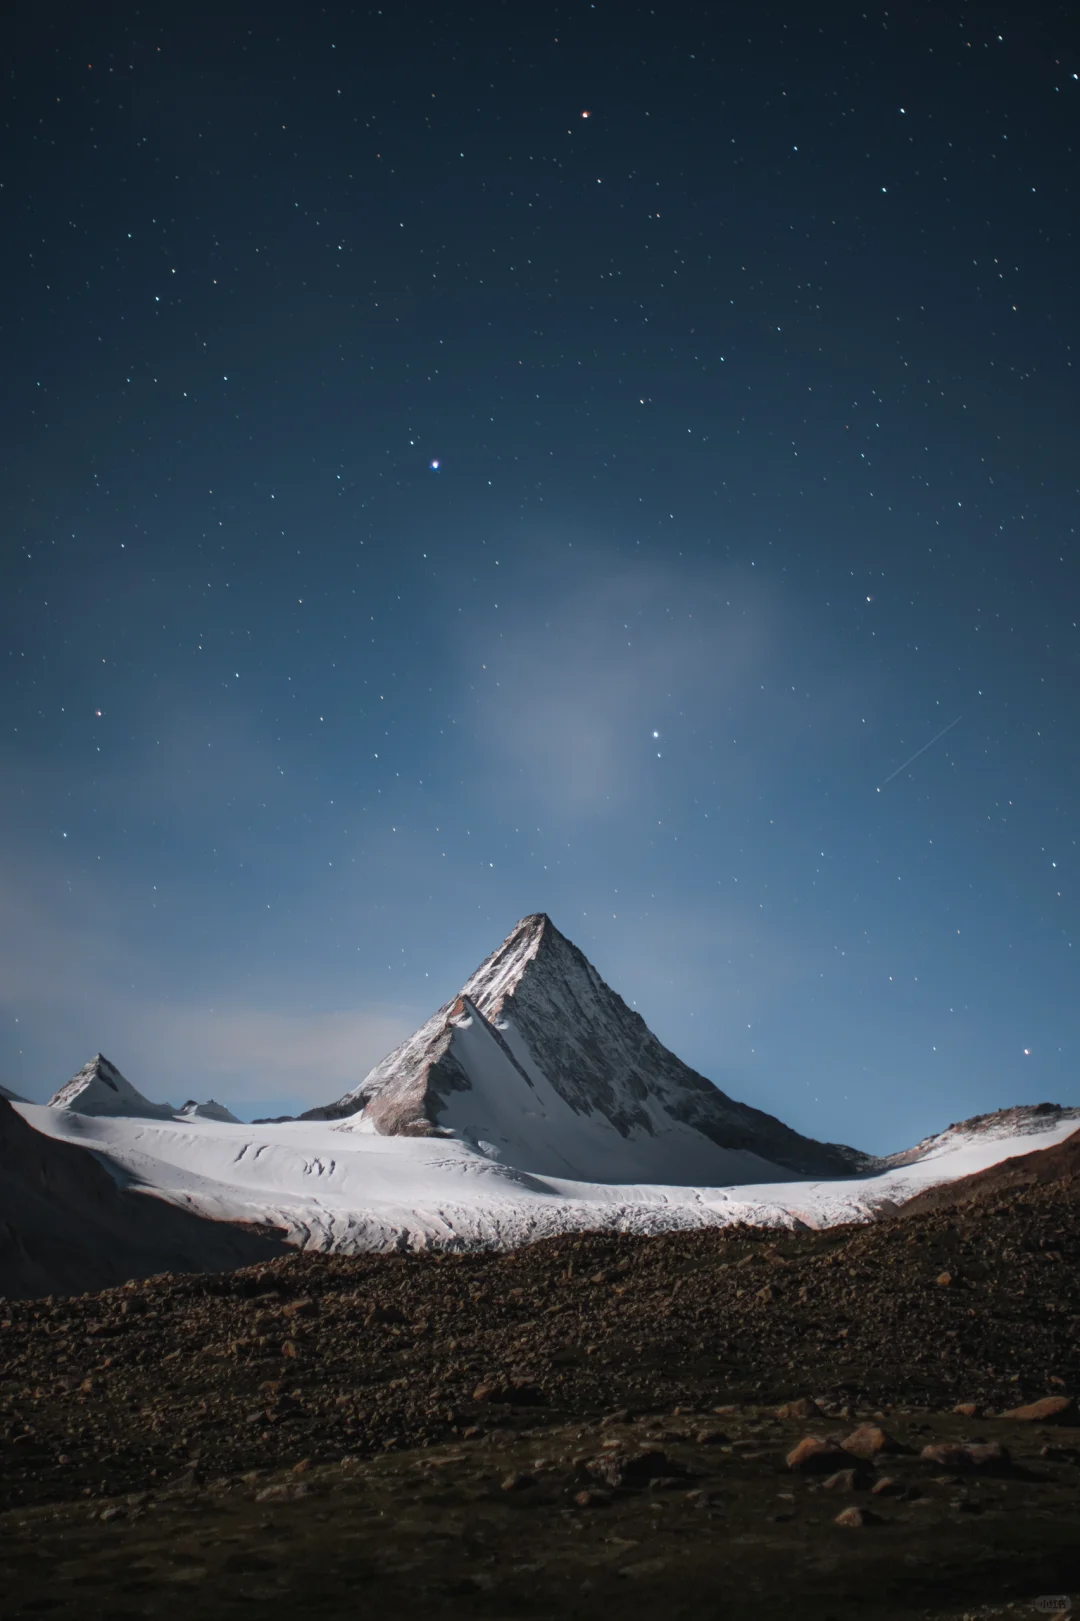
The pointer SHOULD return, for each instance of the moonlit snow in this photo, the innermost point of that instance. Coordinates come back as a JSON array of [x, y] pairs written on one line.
[[356, 1190]]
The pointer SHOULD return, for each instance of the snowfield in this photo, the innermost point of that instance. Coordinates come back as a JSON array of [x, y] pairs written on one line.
[[355, 1190]]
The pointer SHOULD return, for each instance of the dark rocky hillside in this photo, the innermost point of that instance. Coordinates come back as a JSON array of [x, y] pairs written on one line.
[[65, 1225]]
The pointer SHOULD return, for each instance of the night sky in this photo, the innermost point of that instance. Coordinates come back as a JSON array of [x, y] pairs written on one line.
[[462, 461]]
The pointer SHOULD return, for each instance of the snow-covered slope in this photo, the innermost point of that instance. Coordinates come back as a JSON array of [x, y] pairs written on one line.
[[99, 1088], [540, 1064], [357, 1190], [1012, 1125]]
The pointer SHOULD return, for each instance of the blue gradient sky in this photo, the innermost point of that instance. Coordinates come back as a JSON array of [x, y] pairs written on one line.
[[753, 401]]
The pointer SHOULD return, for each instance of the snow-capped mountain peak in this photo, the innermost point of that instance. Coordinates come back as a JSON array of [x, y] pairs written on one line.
[[542, 1064], [99, 1088]]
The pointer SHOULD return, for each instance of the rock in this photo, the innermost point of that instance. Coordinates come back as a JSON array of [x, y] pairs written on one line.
[[384, 1314], [300, 1308], [888, 1486], [710, 1438], [801, 1407], [113, 1512], [968, 1409], [944, 1280], [633, 1469], [517, 1392], [1050, 1410], [845, 1480], [518, 1482], [815, 1456], [985, 1455], [868, 1441], [857, 1517], [286, 1491], [591, 1499]]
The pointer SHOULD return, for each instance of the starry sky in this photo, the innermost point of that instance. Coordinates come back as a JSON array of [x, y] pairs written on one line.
[[610, 460]]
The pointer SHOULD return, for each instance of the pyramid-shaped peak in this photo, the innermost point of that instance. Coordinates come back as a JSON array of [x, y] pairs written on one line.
[[99, 1088], [541, 1060], [533, 941]]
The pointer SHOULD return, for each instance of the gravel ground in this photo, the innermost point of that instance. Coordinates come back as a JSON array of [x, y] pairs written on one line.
[[388, 1400]]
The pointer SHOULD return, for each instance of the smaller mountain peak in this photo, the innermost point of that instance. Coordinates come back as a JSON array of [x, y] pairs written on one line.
[[210, 1110], [99, 1088]]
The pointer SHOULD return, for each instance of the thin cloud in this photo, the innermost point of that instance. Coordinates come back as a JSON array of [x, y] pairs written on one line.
[[569, 700]]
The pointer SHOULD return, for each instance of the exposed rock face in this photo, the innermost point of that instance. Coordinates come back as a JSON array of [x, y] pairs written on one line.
[[99, 1088], [537, 1037], [66, 1227]]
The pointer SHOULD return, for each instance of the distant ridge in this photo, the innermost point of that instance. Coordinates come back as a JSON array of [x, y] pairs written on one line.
[[206, 1111], [1058, 1163], [100, 1089]]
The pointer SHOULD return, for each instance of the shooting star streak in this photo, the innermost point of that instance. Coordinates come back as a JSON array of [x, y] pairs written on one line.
[[923, 750]]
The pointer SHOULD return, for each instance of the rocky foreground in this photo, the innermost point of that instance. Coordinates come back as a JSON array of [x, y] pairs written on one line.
[[584, 1423]]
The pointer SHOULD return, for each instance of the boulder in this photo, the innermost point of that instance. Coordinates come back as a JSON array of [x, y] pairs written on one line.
[[816, 1456], [1050, 1410], [868, 1441]]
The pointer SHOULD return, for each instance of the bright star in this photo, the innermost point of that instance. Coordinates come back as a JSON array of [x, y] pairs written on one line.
[[435, 465]]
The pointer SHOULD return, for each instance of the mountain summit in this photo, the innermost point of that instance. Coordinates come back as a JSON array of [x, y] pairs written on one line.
[[99, 1088], [542, 1065]]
